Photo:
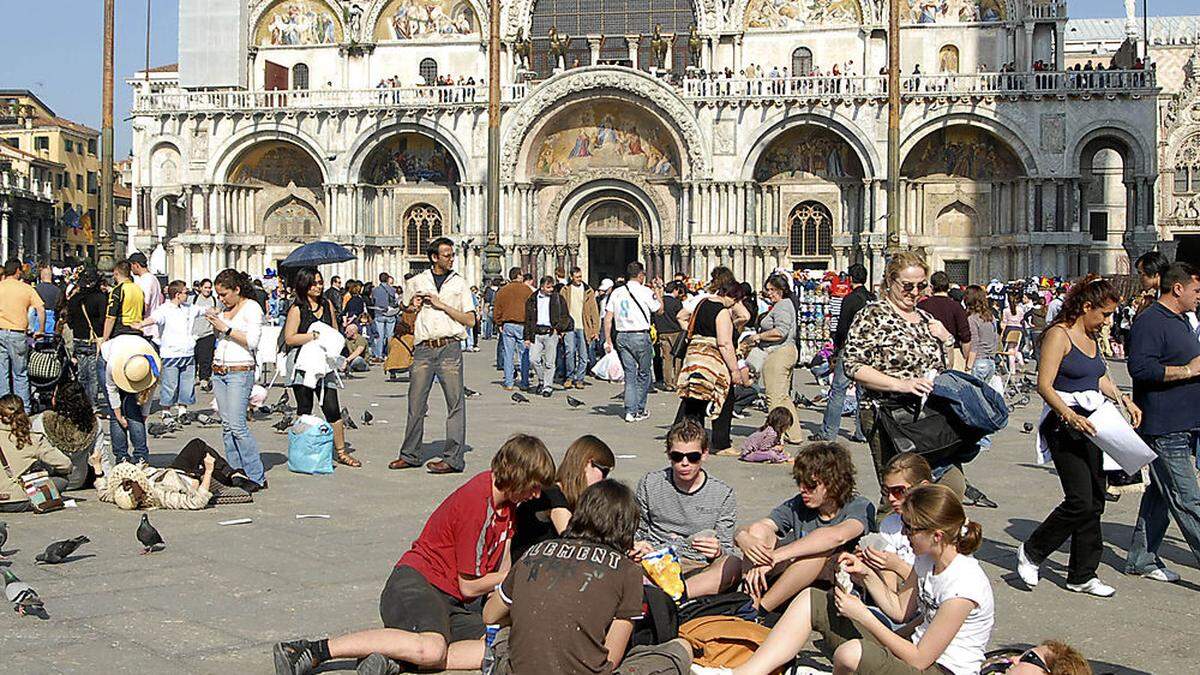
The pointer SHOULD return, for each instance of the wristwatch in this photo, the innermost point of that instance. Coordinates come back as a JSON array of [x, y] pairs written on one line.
[[228, 331]]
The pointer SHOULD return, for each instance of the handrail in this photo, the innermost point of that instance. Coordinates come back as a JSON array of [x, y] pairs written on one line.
[[442, 95]]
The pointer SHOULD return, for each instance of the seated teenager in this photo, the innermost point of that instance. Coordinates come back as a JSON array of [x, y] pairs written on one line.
[[431, 604], [587, 461], [22, 449], [789, 550], [946, 586], [894, 560], [572, 600], [684, 507]]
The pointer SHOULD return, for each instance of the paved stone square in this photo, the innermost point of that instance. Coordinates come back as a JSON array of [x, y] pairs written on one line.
[[217, 597]]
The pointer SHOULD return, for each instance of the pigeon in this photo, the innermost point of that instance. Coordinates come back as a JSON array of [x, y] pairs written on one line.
[[282, 425], [61, 550], [367, 417], [284, 399], [574, 402], [619, 397], [207, 420], [148, 536], [470, 393], [3, 537], [1027, 428], [24, 599], [155, 429], [347, 419], [518, 397]]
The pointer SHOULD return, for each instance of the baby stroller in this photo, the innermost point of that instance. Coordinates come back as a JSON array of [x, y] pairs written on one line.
[[49, 364]]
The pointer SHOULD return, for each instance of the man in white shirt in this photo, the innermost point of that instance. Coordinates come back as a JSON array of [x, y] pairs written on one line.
[[628, 310], [445, 310], [151, 290], [176, 324]]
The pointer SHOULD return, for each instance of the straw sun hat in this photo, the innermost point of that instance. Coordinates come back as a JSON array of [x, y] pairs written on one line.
[[133, 363]]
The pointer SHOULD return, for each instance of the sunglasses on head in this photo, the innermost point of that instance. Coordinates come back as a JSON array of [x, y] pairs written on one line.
[[896, 491], [602, 469], [692, 457], [1034, 659]]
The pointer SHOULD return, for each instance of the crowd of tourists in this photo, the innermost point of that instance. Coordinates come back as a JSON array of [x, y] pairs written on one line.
[[529, 567]]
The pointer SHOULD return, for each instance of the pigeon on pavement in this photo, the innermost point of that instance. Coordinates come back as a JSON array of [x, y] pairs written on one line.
[[574, 402], [470, 393], [367, 417], [347, 419], [60, 550], [518, 397], [156, 430], [284, 399], [3, 537], [1027, 428], [148, 536], [282, 425], [24, 599]]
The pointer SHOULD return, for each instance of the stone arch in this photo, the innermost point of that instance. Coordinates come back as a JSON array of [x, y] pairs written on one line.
[[372, 29], [519, 14], [367, 142], [275, 163], [526, 120], [781, 123], [956, 220], [327, 34], [222, 160], [565, 214], [601, 133], [292, 216], [166, 165], [961, 151], [948, 58], [998, 128], [1122, 139]]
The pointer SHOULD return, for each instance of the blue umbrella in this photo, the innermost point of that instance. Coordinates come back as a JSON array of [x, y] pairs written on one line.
[[317, 253]]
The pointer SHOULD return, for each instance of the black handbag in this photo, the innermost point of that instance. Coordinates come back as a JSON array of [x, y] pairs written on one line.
[[681, 346], [928, 428]]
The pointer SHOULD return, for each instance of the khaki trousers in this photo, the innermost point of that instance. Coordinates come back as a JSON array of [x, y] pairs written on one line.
[[777, 380]]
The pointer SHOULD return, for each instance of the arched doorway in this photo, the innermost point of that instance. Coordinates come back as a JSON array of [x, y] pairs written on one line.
[[613, 227], [422, 224], [1105, 170], [802, 62]]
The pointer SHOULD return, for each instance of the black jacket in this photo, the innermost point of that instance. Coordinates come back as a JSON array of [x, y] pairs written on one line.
[[851, 305], [560, 317]]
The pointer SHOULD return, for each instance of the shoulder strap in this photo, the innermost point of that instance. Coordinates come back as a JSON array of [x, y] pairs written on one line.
[[635, 301], [7, 470], [83, 308]]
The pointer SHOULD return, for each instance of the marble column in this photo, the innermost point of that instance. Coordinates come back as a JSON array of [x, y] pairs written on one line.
[[632, 41], [594, 48]]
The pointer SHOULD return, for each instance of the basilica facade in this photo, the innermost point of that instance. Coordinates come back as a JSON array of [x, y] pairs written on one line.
[[684, 133]]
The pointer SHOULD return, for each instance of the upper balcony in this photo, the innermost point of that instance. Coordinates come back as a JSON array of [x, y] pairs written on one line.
[[780, 90], [21, 185], [1042, 10], [717, 91], [317, 100]]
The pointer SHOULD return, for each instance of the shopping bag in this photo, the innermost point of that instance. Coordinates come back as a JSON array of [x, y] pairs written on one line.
[[310, 446], [609, 368]]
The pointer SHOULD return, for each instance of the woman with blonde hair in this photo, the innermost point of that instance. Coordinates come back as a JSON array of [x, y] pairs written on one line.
[[946, 587], [20, 449], [588, 460]]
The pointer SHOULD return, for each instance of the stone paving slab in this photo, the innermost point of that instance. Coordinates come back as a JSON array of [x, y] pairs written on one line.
[[218, 597]]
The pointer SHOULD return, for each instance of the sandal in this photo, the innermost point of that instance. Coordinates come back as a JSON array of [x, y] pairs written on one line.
[[341, 457]]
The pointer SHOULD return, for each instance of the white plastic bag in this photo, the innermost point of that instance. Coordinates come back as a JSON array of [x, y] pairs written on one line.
[[609, 368]]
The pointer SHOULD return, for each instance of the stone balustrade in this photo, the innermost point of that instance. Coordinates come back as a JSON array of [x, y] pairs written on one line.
[[321, 99]]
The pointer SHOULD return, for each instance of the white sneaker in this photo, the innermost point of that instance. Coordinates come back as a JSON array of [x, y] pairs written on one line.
[[631, 418], [710, 670], [1162, 574], [1026, 569], [642, 416], [1094, 587]]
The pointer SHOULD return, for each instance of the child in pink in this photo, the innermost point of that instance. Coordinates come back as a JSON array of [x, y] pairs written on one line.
[[765, 445]]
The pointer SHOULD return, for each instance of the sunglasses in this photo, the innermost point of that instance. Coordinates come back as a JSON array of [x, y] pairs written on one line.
[[896, 491], [1032, 658], [602, 469], [692, 457], [909, 287], [907, 529]]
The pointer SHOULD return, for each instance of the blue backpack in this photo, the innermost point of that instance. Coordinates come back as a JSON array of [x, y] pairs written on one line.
[[310, 446]]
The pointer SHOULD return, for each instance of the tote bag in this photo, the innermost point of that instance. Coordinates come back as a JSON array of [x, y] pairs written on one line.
[[310, 446]]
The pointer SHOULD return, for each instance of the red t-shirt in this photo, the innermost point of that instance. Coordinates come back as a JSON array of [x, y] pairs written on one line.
[[464, 536]]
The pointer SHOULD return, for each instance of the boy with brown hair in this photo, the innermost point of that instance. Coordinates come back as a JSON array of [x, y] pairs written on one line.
[[790, 549], [176, 323], [431, 605]]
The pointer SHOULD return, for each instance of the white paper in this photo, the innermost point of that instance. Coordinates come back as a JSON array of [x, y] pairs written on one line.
[[1118, 440], [236, 521]]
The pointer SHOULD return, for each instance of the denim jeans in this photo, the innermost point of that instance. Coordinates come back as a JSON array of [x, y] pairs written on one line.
[[984, 368], [637, 359], [512, 335], [14, 361], [359, 365], [384, 325], [446, 364], [544, 356], [232, 391], [835, 403], [1173, 490], [134, 434], [87, 372], [577, 355], [487, 331], [178, 385]]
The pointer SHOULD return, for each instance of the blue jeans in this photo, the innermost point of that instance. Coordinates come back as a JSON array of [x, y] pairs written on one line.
[[835, 403], [487, 330], [637, 359], [384, 325], [1173, 490], [359, 365], [233, 395], [178, 385], [577, 355], [512, 335], [984, 368], [14, 361], [134, 434]]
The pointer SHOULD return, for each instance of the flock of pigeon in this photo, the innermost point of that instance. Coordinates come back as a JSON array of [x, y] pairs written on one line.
[[24, 598]]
